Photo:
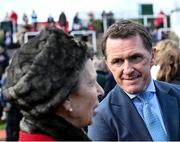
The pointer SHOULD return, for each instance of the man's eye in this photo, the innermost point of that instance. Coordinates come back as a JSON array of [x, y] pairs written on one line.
[[136, 59], [117, 61]]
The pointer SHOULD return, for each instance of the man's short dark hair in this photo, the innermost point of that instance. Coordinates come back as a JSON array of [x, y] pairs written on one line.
[[125, 29]]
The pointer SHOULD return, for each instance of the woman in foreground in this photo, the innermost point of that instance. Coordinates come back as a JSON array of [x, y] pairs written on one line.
[[53, 81]]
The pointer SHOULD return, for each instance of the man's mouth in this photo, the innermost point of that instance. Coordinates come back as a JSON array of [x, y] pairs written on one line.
[[131, 77]]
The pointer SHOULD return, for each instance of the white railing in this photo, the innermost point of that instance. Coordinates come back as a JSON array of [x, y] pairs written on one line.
[[29, 35], [91, 33]]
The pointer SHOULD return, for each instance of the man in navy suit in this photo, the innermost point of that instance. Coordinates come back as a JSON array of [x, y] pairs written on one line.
[[129, 55]]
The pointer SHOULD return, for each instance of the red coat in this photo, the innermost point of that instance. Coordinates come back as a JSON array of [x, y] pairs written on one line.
[[13, 17], [24, 136]]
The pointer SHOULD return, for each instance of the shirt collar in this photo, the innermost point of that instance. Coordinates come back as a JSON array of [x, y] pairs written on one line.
[[150, 88]]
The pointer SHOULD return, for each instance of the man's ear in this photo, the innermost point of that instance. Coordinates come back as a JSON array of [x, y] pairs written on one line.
[[153, 56], [107, 65]]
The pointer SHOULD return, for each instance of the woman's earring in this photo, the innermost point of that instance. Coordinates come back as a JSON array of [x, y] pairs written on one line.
[[70, 110]]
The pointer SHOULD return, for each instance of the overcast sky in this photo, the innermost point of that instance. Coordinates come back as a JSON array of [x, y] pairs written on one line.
[[54, 7]]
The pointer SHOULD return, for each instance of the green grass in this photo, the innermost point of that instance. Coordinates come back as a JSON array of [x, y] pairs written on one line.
[[2, 124]]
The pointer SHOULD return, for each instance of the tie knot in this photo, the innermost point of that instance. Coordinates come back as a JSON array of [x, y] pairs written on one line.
[[145, 97]]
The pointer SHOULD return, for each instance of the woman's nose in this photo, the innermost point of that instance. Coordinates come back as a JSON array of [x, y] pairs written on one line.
[[100, 91]]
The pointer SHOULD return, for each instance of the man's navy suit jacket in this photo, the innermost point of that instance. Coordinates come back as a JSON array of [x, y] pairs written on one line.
[[118, 119]]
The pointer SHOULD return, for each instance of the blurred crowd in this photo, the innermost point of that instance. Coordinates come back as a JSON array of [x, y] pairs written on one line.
[[167, 67]]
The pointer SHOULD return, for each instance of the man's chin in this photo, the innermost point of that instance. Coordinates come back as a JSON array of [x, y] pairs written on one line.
[[133, 90]]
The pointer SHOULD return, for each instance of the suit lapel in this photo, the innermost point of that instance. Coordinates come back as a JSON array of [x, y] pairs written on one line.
[[127, 114], [169, 108]]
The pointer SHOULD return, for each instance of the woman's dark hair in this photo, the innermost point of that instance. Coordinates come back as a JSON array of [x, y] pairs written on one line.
[[125, 29], [44, 71]]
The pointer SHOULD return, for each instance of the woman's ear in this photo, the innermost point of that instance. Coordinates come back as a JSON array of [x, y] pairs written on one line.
[[62, 109], [67, 105]]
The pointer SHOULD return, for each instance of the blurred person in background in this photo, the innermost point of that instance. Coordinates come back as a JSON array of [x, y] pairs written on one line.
[[109, 84], [4, 57], [4, 60], [50, 19], [14, 19], [104, 76], [34, 21], [63, 23], [159, 20], [11, 115], [110, 18], [2, 38], [8, 40], [168, 61], [77, 23], [101, 70], [53, 81], [91, 20], [25, 19], [51, 22], [173, 36]]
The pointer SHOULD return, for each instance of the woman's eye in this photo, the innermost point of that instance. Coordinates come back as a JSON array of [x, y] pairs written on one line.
[[92, 83]]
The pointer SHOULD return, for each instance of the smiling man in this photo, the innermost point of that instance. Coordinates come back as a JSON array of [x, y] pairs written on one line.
[[138, 108]]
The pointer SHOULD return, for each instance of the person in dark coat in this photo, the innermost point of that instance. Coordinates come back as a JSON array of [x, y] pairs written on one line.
[[63, 22], [13, 115], [109, 84], [4, 60]]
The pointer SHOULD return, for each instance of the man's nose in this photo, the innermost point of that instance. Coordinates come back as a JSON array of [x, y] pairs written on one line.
[[127, 67]]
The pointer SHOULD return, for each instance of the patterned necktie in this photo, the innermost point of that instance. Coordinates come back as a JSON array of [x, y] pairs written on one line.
[[152, 120]]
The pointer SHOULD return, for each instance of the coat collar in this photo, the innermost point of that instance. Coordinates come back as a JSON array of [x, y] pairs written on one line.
[[121, 104], [169, 108]]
